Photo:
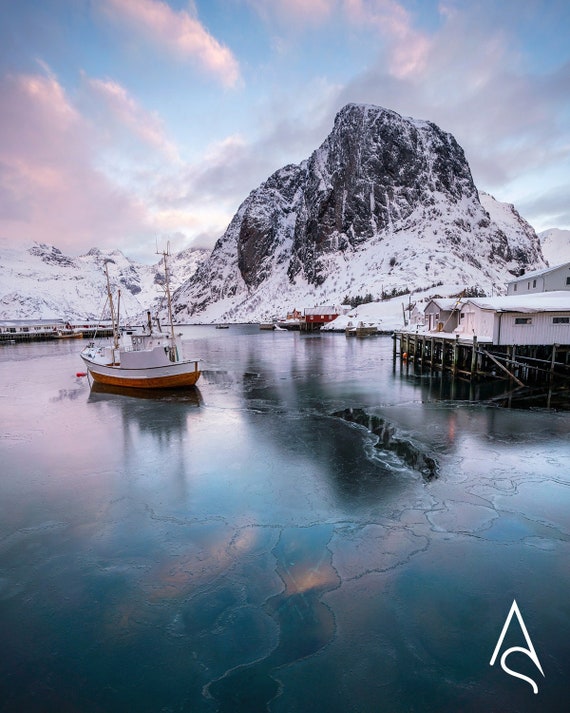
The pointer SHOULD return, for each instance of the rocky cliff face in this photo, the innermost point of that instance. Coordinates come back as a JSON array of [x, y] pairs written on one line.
[[385, 203]]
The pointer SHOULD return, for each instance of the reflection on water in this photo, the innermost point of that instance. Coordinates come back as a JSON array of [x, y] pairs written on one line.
[[190, 394], [438, 386], [234, 547], [305, 623]]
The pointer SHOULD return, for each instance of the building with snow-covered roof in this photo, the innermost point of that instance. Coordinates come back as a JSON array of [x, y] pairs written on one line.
[[315, 317], [542, 318], [442, 314], [550, 279]]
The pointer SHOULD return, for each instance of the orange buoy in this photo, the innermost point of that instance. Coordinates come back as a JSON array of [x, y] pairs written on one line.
[[81, 373], [405, 355]]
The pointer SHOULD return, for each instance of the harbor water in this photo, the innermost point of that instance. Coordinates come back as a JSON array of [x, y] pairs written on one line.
[[260, 543]]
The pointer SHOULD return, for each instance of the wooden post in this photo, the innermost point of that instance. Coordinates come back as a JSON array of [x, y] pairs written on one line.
[[552, 363], [514, 360], [474, 357], [455, 353]]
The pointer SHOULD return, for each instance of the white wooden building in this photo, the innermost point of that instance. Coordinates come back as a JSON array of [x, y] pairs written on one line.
[[442, 314], [550, 279], [537, 319]]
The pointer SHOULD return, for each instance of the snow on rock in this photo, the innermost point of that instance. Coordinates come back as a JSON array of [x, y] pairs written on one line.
[[555, 245]]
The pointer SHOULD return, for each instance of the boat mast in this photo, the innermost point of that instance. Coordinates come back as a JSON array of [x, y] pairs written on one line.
[[110, 296], [165, 254]]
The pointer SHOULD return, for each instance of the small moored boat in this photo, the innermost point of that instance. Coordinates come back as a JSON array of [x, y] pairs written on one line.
[[147, 359]]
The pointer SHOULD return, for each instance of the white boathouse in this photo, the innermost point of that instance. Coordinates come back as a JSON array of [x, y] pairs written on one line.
[[550, 279], [525, 337], [542, 318]]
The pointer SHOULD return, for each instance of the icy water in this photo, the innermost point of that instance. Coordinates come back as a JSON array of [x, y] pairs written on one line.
[[237, 548]]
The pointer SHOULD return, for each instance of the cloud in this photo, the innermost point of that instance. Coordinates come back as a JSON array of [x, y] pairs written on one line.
[[51, 190], [296, 13], [406, 47], [548, 209], [125, 111], [471, 80], [178, 33]]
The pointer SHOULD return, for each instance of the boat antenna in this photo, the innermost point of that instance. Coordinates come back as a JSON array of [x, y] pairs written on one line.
[[112, 306]]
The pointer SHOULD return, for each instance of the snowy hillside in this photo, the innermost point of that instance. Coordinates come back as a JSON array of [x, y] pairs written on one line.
[[555, 245], [385, 205], [40, 282]]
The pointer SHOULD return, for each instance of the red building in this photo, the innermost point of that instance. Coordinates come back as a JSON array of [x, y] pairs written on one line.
[[315, 317]]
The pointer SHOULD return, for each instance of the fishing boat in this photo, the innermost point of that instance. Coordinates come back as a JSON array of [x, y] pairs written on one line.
[[142, 359]]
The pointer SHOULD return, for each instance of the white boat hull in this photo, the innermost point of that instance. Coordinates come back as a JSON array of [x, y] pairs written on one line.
[[182, 373]]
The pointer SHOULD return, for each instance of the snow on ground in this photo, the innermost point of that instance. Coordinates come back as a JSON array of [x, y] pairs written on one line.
[[386, 315]]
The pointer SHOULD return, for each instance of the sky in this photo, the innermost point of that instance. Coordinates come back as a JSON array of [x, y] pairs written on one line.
[[127, 123]]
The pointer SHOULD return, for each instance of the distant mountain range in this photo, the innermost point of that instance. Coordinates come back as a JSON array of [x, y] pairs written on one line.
[[384, 206], [40, 282]]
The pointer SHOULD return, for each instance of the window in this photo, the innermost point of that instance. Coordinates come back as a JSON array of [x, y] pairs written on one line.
[[568, 280], [515, 288], [534, 283], [561, 320], [523, 320]]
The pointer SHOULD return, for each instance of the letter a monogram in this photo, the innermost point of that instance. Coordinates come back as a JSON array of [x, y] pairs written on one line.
[[530, 652]]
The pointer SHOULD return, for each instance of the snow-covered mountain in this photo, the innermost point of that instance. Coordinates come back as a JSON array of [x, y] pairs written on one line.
[[385, 204], [555, 245], [40, 282]]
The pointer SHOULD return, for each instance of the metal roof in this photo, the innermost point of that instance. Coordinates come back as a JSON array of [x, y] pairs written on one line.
[[538, 273], [535, 302]]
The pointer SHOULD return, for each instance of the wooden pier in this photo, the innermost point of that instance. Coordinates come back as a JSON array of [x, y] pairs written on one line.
[[471, 359]]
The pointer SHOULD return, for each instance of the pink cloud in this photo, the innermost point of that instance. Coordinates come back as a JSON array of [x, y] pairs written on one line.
[[407, 47], [49, 188], [126, 111], [296, 12], [178, 33]]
